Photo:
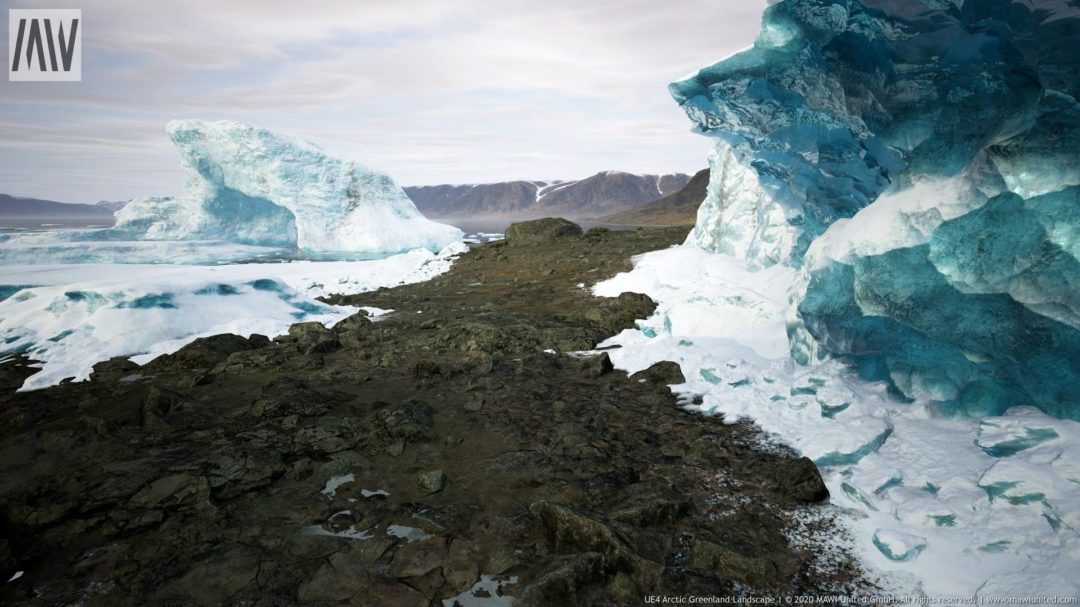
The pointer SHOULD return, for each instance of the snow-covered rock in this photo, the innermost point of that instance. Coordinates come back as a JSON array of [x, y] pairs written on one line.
[[249, 186]]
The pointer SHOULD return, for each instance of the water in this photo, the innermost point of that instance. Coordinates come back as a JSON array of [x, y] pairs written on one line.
[[495, 225], [44, 224]]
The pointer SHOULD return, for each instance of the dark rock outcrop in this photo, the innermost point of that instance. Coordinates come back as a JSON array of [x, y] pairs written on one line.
[[539, 231]]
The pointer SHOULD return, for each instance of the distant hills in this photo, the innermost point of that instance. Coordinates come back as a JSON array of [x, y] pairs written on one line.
[[601, 194], [13, 206], [610, 196], [679, 208]]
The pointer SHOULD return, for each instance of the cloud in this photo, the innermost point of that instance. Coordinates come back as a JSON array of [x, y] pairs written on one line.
[[430, 91]]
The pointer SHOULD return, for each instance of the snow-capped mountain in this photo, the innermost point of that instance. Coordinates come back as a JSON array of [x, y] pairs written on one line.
[[601, 194], [679, 208]]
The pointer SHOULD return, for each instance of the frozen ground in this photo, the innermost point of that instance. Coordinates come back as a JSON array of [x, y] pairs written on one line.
[[70, 316], [960, 506]]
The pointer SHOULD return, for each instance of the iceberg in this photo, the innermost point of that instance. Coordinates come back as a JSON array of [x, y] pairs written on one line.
[[915, 160], [249, 186], [884, 276]]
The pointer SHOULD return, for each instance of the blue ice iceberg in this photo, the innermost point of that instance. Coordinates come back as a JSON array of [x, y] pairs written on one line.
[[248, 186], [919, 161]]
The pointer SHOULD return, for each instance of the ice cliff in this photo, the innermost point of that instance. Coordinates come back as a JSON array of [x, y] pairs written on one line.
[[249, 186], [916, 162]]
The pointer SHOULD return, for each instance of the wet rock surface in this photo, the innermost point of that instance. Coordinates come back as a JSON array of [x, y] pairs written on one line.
[[403, 461]]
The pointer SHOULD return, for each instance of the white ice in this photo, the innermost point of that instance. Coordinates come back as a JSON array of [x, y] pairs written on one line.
[[46, 248], [486, 592], [986, 507], [332, 485], [72, 316], [250, 186]]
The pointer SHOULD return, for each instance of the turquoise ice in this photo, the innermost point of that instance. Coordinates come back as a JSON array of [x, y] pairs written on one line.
[[917, 161], [249, 186]]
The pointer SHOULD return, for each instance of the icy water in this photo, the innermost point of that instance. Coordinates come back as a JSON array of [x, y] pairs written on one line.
[[482, 229], [498, 226], [45, 224], [69, 300]]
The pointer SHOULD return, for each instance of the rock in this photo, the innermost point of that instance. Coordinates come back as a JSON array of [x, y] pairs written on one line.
[[341, 463], [410, 421], [460, 569], [652, 504], [113, 369], [164, 408], [258, 341], [6, 562], [431, 482], [663, 373], [329, 436], [803, 481], [176, 491], [613, 314], [219, 575], [569, 531], [358, 321], [203, 353], [306, 331], [344, 575], [712, 558], [233, 473], [301, 469], [391, 595], [424, 369], [541, 231], [418, 558], [539, 365], [596, 233], [595, 366], [312, 337], [473, 337], [566, 583], [791, 479]]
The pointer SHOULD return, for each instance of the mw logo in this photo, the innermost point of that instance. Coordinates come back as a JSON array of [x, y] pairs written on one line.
[[44, 45]]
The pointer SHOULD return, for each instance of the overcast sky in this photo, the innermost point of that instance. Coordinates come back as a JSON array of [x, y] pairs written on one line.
[[430, 91]]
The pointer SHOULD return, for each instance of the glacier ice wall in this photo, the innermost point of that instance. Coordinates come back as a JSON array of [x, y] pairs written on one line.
[[916, 160], [249, 186]]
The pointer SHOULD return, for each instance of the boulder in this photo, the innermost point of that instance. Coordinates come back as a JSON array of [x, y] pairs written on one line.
[[541, 230]]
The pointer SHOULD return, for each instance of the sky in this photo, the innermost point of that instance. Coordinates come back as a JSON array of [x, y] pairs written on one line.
[[430, 91]]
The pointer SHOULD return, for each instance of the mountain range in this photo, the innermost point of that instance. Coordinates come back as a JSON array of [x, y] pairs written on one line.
[[601, 194], [14, 206], [679, 208], [610, 196]]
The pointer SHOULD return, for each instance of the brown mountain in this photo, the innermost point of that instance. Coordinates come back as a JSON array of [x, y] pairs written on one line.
[[679, 208], [600, 194], [15, 206]]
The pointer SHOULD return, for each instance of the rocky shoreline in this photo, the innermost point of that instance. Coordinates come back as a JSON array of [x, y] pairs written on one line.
[[458, 446]]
